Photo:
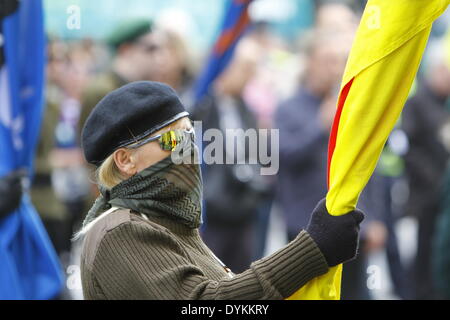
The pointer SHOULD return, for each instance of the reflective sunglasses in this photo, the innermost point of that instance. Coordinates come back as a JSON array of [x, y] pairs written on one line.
[[168, 140]]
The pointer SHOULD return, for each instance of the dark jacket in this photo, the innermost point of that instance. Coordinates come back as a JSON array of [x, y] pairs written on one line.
[[302, 179], [229, 198], [425, 162], [303, 158], [441, 243]]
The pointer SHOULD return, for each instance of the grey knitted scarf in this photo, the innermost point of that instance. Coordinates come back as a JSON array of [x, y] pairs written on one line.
[[164, 189]]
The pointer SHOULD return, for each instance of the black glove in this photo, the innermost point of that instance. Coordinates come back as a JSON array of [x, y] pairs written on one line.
[[10, 192], [336, 236]]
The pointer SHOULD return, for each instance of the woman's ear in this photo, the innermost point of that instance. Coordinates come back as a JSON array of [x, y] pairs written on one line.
[[124, 161]]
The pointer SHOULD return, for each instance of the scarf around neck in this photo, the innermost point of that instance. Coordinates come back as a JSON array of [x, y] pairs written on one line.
[[165, 189]]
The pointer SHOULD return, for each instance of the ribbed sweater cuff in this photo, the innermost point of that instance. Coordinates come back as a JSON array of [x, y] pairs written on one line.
[[293, 266]]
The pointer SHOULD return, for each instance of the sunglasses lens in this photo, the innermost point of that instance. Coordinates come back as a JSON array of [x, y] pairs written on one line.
[[171, 139]]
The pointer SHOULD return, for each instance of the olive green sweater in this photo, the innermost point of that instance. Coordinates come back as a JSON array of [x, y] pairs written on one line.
[[130, 256]]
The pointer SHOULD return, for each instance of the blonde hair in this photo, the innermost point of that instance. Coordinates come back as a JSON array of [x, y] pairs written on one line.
[[108, 174]]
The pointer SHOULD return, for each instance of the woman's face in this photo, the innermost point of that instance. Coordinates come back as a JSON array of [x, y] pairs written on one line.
[[132, 161]]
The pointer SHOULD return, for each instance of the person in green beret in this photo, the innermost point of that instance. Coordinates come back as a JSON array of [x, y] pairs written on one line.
[[133, 47]]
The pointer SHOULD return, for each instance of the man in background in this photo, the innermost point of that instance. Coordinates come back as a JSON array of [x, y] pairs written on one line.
[[426, 122], [232, 192], [133, 46]]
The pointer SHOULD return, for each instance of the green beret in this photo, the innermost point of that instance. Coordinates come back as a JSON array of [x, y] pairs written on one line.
[[128, 31]]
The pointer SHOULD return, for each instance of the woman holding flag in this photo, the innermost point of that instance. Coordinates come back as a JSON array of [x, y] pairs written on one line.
[[141, 237]]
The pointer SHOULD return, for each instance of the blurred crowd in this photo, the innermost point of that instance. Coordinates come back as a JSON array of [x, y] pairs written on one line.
[[270, 83]]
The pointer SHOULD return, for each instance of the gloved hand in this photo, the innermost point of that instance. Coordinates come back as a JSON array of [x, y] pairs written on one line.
[[336, 236], [10, 192]]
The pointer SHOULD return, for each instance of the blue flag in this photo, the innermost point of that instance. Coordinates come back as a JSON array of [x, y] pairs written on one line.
[[235, 23], [29, 266]]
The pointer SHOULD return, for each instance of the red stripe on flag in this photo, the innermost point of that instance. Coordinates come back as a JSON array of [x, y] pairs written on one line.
[[334, 129], [229, 36]]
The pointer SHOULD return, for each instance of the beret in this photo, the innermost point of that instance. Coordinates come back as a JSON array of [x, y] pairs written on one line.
[[128, 31], [127, 115]]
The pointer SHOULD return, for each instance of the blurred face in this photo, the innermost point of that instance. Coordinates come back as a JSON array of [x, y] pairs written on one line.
[[326, 66], [132, 161], [169, 60], [440, 79], [58, 62], [76, 76], [56, 69], [144, 56], [336, 17], [241, 70], [68, 71], [237, 76], [156, 47]]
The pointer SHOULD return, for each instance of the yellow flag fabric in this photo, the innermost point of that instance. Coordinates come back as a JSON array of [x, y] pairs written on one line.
[[381, 68]]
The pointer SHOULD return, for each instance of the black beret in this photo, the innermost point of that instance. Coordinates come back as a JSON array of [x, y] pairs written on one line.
[[126, 115]]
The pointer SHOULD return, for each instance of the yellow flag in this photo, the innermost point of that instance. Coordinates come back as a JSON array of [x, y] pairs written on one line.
[[381, 68]]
